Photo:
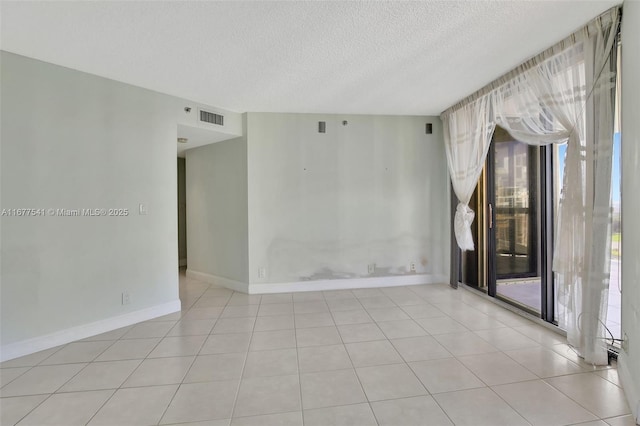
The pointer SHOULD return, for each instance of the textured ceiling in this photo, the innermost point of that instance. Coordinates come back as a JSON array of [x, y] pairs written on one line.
[[329, 57]]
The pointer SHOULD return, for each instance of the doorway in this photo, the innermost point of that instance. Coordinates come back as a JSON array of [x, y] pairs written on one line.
[[514, 201], [182, 213], [514, 222]]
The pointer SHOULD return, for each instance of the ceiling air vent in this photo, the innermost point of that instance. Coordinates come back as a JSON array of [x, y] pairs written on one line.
[[210, 117]]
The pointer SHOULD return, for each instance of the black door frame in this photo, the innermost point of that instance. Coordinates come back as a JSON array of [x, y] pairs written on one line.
[[546, 226]]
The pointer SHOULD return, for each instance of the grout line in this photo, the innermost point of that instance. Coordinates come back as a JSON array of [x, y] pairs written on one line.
[[353, 367], [179, 385], [295, 332], [244, 364]]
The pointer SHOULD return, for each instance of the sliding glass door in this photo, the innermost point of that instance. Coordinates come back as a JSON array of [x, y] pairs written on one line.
[[514, 227], [513, 198]]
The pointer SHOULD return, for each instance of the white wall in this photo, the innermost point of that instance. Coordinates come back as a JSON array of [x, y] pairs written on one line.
[[217, 211], [71, 140], [630, 358], [325, 206]]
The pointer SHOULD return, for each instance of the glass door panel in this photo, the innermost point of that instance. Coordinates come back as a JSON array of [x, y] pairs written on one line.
[[514, 222]]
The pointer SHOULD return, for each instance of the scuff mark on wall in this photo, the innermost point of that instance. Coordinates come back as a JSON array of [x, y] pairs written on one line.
[[290, 260]]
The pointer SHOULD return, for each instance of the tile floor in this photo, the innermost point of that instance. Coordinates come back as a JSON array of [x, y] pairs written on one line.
[[420, 355], [528, 293]]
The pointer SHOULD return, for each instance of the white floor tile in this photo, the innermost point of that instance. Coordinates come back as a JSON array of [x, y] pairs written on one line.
[[331, 388], [621, 421], [366, 354], [544, 362], [460, 344], [280, 419], [14, 409], [360, 332], [276, 309], [226, 343], [599, 396], [240, 311], [346, 415], [129, 349], [268, 340], [402, 328], [192, 328], [279, 362], [423, 311], [387, 314], [30, 360], [8, 375], [178, 346], [311, 320], [276, 322], [77, 352], [203, 313], [376, 302], [541, 404], [159, 371], [445, 375], [340, 305], [420, 348], [506, 339], [416, 411], [201, 401], [496, 368], [441, 325], [135, 406], [323, 358], [41, 379], [320, 336], [68, 409], [389, 382], [478, 407], [101, 375], [208, 368], [354, 316], [313, 307], [268, 395], [234, 325]]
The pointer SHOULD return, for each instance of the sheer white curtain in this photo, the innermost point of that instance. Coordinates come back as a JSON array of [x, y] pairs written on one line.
[[470, 130], [563, 95]]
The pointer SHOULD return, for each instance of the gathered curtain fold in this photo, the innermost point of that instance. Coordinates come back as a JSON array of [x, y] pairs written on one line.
[[564, 95]]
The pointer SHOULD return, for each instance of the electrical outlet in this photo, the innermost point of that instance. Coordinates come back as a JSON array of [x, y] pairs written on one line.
[[143, 209], [262, 272], [412, 266], [372, 268], [126, 298], [625, 342]]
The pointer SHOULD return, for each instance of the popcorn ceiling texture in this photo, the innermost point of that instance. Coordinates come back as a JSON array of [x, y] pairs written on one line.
[[399, 58]]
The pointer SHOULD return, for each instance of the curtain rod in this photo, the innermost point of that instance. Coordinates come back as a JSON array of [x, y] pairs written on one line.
[[610, 17]]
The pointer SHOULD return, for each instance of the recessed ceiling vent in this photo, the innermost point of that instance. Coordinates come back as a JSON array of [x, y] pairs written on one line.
[[212, 118]]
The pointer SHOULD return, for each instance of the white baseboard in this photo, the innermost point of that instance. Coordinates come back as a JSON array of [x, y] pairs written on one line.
[[182, 262], [36, 344], [221, 281], [631, 387], [345, 284]]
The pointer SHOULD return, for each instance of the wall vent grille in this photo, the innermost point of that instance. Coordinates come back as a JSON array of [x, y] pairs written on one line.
[[212, 118]]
